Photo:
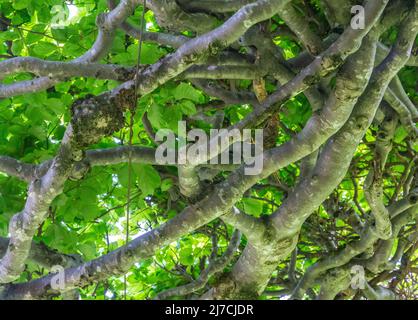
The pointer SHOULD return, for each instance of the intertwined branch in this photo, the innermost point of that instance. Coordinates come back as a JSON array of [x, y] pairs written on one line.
[[366, 89]]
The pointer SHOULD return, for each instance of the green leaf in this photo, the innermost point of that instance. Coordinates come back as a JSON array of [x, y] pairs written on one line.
[[186, 91], [150, 53], [188, 108], [38, 132], [339, 223], [186, 256], [166, 184], [123, 175], [88, 250], [148, 178], [36, 34], [20, 4], [252, 206], [156, 116], [400, 134], [17, 47], [43, 48], [56, 106]]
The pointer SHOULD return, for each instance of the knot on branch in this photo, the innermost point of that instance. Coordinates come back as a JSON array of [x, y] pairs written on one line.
[[362, 122], [311, 80], [125, 74], [224, 286], [80, 170], [413, 196], [125, 99], [330, 63], [215, 48], [101, 23], [384, 231], [16, 226], [94, 118]]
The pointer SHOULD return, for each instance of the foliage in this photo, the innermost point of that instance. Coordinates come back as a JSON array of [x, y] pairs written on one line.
[[89, 217]]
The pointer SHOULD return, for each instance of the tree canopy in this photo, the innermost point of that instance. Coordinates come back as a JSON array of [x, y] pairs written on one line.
[[91, 89]]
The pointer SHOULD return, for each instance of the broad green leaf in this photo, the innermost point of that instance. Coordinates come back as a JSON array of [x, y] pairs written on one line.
[[252, 206], [186, 91], [148, 178]]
